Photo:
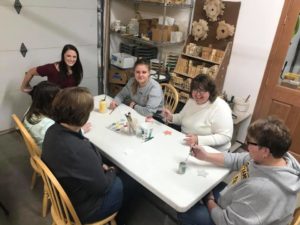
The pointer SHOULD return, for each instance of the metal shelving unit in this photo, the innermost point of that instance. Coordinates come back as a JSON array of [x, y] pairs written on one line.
[[146, 42], [162, 44]]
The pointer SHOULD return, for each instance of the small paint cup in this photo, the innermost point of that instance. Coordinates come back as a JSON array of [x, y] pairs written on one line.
[[181, 168], [102, 106]]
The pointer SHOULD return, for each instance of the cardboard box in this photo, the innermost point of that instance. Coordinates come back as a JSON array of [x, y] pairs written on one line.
[[114, 89], [163, 33], [145, 25], [119, 76]]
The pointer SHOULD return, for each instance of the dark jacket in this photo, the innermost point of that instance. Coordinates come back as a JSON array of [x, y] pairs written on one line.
[[77, 164]]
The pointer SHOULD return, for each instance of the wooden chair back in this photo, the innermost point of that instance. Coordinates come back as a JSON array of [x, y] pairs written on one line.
[[171, 97], [296, 218], [62, 210], [31, 145]]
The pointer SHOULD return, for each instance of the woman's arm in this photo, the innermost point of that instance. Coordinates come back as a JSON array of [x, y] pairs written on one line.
[[221, 126], [25, 87], [177, 117], [124, 93], [215, 158], [154, 103]]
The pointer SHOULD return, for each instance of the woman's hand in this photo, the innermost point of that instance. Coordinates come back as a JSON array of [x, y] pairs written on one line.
[[86, 127], [25, 86], [113, 105], [199, 152], [107, 168], [191, 139], [167, 115], [26, 89], [132, 104], [208, 197]]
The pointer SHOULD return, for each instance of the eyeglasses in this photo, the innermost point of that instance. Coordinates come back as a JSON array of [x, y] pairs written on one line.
[[250, 143], [244, 145]]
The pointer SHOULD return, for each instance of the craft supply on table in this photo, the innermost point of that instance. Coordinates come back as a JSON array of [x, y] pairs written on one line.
[[118, 126], [181, 168], [146, 130], [202, 173]]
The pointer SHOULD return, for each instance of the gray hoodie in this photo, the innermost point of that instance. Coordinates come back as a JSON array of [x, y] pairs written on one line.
[[149, 99], [258, 195]]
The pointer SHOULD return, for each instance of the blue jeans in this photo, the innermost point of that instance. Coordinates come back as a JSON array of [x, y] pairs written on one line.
[[111, 203], [199, 214]]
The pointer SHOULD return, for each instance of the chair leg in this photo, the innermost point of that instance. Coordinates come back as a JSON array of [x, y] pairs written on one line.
[[45, 203], [33, 179]]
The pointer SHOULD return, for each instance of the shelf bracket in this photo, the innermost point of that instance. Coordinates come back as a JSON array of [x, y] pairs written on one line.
[[18, 6]]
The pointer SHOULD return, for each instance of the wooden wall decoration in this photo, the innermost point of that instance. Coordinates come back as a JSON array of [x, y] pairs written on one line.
[[230, 16]]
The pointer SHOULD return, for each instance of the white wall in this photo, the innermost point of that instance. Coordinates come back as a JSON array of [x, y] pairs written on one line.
[[45, 27], [255, 31]]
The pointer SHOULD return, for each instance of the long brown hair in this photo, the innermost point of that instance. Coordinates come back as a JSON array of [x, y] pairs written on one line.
[[42, 96], [135, 84], [77, 71]]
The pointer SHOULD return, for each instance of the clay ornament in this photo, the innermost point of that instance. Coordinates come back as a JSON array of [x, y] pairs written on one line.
[[213, 9], [224, 30], [199, 30]]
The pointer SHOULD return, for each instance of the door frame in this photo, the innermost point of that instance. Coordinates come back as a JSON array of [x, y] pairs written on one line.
[[277, 56]]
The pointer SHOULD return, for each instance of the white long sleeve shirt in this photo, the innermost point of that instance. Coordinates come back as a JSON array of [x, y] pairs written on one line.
[[212, 122]]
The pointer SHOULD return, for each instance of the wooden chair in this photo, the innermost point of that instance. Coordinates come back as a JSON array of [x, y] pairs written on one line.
[[296, 219], [170, 96], [33, 150], [62, 210]]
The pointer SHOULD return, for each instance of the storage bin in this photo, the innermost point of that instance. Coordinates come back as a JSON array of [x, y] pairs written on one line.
[[122, 60], [240, 106]]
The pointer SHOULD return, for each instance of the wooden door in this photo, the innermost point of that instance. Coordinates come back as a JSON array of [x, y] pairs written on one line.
[[274, 98]]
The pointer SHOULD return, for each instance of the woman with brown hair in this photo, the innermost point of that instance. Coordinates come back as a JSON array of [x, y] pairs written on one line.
[[38, 117], [93, 187], [145, 94], [205, 119], [65, 73]]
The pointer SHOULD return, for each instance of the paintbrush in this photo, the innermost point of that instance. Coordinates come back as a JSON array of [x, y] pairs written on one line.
[[112, 110], [190, 153], [246, 100]]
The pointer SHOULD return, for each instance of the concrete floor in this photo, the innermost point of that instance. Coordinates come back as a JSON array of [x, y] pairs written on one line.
[[24, 204]]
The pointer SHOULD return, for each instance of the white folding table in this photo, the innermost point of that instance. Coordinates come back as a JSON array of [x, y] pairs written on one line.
[[154, 163]]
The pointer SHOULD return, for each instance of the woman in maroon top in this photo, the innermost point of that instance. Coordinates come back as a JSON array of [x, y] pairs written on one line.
[[65, 73]]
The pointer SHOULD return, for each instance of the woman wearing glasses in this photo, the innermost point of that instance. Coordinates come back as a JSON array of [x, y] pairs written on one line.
[[205, 119], [263, 191]]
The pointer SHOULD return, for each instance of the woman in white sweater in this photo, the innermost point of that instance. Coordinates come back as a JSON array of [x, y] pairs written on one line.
[[205, 119]]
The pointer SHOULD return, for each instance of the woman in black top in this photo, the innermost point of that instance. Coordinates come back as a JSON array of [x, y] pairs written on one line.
[[93, 187]]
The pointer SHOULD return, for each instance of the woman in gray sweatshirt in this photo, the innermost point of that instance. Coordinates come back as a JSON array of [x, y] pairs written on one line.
[[145, 94], [263, 192]]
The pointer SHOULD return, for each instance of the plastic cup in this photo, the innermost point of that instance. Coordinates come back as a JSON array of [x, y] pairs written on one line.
[[182, 168], [102, 106]]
